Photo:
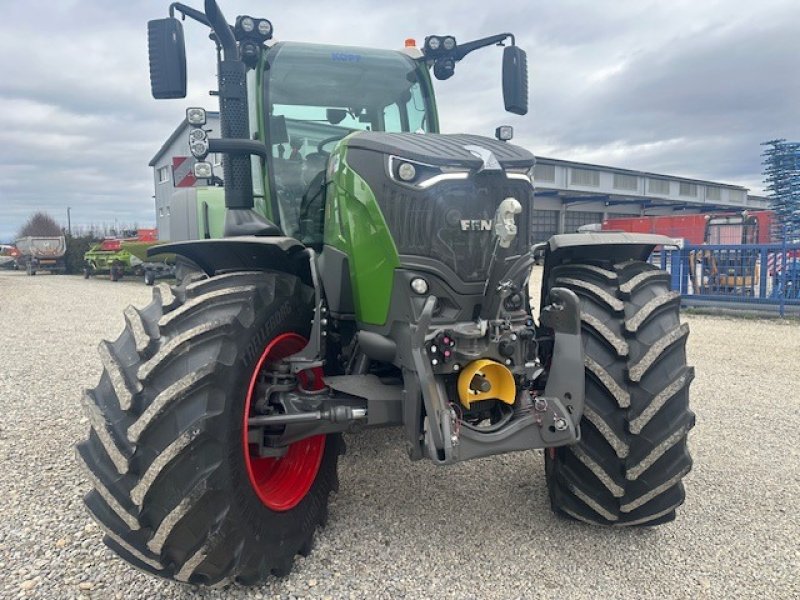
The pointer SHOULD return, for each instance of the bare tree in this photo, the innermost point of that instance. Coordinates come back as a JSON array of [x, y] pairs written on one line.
[[40, 224]]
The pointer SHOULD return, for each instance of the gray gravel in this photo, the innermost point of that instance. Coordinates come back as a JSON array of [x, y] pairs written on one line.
[[397, 529]]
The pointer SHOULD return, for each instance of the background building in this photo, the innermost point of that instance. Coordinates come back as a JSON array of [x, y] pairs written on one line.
[[172, 169], [571, 194]]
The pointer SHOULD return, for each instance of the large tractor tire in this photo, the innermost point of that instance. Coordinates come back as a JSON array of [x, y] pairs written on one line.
[[628, 467], [176, 487]]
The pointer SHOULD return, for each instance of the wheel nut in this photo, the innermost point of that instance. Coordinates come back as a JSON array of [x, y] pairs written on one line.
[[560, 424]]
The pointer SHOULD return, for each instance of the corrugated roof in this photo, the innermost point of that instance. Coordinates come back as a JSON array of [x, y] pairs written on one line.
[[570, 163]]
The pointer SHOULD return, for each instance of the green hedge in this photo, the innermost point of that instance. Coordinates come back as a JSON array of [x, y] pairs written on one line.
[[76, 248]]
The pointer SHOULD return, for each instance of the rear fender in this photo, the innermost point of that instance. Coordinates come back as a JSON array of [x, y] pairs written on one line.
[[591, 246], [243, 253]]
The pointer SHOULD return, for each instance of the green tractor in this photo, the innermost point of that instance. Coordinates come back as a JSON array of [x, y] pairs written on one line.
[[372, 272], [120, 257], [112, 256]]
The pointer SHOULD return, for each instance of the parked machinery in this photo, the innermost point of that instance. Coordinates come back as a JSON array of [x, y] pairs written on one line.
[[121, 256], [41, 253]]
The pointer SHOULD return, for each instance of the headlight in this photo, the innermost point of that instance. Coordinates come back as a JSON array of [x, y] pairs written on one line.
[[522, 174], [419, 285], [203, 170], [199, 149], [449, 43], [434, 42], [406, 171], [195, 135], [248, 24], [196, 116], [421, 175]]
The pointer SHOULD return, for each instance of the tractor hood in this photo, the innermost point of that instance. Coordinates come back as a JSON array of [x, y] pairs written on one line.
[[461, 150], [443, 209]]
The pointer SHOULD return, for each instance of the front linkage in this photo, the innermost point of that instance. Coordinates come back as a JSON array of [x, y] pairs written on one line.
[[544, 410]]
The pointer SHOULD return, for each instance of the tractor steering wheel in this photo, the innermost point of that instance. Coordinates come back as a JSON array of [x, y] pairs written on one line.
[[330, 140]]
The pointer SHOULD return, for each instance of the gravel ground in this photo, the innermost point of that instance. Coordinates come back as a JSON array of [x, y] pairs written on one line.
[[476, 530]]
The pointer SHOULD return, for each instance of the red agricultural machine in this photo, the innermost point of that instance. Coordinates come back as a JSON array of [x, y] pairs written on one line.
[[744, 227]]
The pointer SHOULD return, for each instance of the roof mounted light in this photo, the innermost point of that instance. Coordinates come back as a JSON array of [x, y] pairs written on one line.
[[444, 68], [252, 30], [438, 45], [504, 133], [247, 24], [264, 28]]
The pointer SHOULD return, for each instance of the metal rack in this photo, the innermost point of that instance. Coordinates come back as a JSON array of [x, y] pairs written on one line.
[[782, 176]]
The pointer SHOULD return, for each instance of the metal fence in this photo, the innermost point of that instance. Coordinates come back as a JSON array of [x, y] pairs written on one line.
[[763, 277]]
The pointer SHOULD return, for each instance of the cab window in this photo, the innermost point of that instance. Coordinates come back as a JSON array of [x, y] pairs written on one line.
[[315, 97]]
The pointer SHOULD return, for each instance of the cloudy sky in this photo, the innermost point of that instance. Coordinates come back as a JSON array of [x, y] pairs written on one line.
[[681, 87]]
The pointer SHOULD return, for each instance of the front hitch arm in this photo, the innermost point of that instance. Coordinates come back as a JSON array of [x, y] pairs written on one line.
[[565, 380]]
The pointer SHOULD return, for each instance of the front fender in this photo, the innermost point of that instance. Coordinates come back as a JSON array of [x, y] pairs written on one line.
[[597, 245], [242, 253]]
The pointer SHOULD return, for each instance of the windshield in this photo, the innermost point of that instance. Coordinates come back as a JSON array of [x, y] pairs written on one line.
[[318, 94]]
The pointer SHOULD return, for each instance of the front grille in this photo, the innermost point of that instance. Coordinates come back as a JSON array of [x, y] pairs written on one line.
[[429, 222]]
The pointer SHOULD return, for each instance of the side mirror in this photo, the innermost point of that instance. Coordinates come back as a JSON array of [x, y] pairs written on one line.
[[515, 80], [167, 54]]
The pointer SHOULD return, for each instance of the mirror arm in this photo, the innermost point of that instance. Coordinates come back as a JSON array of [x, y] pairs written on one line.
[[200, 17], [222, 30], [463, 49], [237, 146], [188, 11]]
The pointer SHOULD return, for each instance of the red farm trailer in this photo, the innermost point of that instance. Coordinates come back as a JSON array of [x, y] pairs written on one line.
[[721, 228]]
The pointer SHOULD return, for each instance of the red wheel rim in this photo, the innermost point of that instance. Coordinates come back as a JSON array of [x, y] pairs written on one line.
[[282, 483]]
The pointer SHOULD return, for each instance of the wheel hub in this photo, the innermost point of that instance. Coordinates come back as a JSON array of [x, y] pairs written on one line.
[[282, 482]]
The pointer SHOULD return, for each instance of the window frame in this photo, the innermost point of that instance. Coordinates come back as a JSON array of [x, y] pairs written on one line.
[[164, 174]]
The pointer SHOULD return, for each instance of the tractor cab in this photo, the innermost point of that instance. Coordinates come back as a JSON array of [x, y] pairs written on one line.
[[314, 95], [285, 105]]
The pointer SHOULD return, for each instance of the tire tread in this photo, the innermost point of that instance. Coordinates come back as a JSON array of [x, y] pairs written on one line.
[[628, 468], [153, 493]]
